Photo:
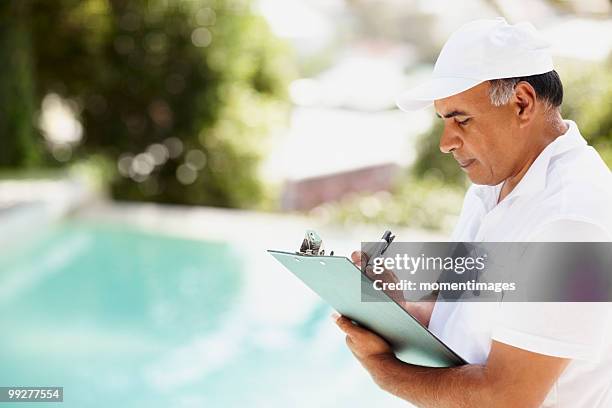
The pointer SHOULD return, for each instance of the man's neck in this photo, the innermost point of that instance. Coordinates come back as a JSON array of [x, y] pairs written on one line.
[[541, 136]]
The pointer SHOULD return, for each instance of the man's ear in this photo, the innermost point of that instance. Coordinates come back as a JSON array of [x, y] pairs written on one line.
[[524, 102]]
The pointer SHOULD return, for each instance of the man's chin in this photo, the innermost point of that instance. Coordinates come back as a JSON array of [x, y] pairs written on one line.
[[479, 178], [483, 180]]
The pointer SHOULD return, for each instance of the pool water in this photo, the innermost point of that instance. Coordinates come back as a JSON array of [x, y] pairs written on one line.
[[123, 317]]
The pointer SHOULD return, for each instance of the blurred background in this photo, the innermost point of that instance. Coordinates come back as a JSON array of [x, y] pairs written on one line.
[[150, 151]]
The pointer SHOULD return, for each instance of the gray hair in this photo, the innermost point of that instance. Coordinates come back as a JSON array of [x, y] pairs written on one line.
[[501, 90], [548, 88]]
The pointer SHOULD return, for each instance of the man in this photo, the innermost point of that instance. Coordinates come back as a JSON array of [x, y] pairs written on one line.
[[535, 179]]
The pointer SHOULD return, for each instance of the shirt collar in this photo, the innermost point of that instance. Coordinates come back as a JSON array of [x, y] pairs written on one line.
[[535, 178]]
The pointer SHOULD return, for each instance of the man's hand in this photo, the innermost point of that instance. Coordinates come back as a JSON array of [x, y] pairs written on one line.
[[360, 259], [363, 343], [511, 377], [420, 310]]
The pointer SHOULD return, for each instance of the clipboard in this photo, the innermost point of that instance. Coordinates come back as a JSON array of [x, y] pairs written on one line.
[[339, 282]]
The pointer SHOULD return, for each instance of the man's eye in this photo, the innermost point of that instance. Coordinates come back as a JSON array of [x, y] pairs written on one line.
[[463, 122]]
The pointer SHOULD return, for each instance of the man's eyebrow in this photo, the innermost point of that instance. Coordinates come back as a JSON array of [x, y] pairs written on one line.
[[453, 114]]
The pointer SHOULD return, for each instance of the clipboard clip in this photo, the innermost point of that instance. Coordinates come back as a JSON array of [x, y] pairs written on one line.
[[312, 245]]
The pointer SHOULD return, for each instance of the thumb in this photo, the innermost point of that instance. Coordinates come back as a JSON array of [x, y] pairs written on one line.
[[347, 326], [358, 257]]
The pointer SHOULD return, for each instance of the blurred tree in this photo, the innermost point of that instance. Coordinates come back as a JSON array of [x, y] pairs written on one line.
[[19, 143], [414, 202], [588, 101], [431, 162], [180, 94]]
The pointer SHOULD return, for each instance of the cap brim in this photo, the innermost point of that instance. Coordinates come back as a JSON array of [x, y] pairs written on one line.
[[435, 88]]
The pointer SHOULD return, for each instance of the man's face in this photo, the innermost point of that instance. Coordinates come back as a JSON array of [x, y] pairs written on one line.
[[484, 139]]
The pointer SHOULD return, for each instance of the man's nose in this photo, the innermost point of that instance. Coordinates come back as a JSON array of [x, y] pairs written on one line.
[[449, 140]]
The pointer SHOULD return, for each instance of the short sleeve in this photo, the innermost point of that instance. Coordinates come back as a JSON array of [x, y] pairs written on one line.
[[568, 330], [570, 230]]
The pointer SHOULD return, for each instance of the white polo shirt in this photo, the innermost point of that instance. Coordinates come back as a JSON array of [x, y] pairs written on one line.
[[565, 196]]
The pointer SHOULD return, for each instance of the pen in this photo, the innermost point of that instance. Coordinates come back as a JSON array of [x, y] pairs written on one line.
[[380, 247]]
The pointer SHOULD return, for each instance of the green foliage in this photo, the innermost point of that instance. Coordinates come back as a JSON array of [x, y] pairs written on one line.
[[588, 101], [96, 171], [185, 76], [431, 162], [19, 146], [421, 203]]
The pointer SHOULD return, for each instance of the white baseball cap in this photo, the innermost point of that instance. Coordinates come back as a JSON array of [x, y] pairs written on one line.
[[479, 51]]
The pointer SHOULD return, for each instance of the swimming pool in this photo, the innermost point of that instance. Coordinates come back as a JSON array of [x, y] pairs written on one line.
[[123, 317]]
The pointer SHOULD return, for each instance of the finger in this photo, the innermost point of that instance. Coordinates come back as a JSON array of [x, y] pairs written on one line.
[[350, 344], [358, 258], [369, 271], [385, 275], [351, 329], [345, 324], [389, 276]]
